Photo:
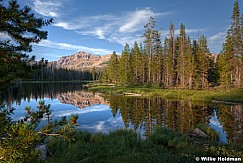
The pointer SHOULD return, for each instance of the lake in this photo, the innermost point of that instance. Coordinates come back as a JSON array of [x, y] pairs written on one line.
[[107, 112]]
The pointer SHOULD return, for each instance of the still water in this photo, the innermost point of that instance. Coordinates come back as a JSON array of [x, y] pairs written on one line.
[[105, 113]]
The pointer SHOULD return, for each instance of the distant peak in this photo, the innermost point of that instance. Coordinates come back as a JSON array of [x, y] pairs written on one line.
[[83, 60]]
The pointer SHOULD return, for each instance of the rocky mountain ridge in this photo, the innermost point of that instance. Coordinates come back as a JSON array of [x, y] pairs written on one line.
[[82, 61]]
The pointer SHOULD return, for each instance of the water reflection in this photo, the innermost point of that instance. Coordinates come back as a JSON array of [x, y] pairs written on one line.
[[81, 99], [105, 113], [231, 118], [149, 112], [37, 91]]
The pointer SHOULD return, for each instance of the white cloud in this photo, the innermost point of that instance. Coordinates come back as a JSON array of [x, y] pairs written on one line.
[[136, 20], [104, 125], [100, 33], [177, 32], [125, 38], [215, 42], [85, 23], [165, 33], [113, 28], [66, 46], [64, 25], [47, 7], [4, 36], [218, 37]]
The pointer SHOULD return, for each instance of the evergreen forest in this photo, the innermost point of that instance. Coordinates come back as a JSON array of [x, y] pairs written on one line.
[[180, 61]]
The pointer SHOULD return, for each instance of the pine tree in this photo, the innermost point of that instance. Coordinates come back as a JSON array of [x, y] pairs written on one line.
[[104, 76], [158, 58], [236, 40], [136, 62], [232, 51], [181, 56], [172, 55], [202, 57], [149, 38], [24, 29], [196, 55], [168, 63], [124, 70], [189, 64], [113, 69], [144, 61], [204, 60], [226, 62]]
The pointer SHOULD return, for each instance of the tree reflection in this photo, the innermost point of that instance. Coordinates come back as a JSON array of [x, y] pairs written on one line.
[[37, 91], [149, 112], [231, 118], [181, 116]]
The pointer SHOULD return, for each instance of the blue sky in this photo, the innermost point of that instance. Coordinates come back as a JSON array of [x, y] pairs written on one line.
[[103, 26]]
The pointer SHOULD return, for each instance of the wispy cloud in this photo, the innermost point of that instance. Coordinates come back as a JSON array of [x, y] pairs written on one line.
[[47, 7], [215, 41], [125, 38], [135, 21], [119, 28], [4, 36], [66, 46], [165, 33], [218, 37], [65, 25], [86, 22], [98, 32]]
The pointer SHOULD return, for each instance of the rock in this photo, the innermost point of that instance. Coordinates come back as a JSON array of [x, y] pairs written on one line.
[[43, 151], [200, 133], [191, 134]]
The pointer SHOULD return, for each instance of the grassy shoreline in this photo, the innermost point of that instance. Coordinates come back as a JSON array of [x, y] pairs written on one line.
[[162, 145], [221, 95]]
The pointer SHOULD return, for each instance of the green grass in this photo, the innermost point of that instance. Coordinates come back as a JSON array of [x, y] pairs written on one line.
[[162, 145], [219, 94]]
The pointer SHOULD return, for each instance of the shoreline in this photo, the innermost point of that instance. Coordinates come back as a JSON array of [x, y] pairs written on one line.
[[225, 96]]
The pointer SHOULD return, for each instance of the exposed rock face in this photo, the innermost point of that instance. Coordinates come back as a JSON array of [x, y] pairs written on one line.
[[215, 57], [82, 99], [82, 60]]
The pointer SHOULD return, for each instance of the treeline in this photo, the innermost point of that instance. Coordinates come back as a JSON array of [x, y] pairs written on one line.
[[51, 73], [61, 74], [179, 61]]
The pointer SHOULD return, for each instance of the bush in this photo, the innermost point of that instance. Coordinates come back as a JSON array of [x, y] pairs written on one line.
[[19, 139]]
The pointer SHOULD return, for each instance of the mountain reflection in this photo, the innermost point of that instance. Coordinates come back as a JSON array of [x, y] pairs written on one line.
[[81, 99]]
